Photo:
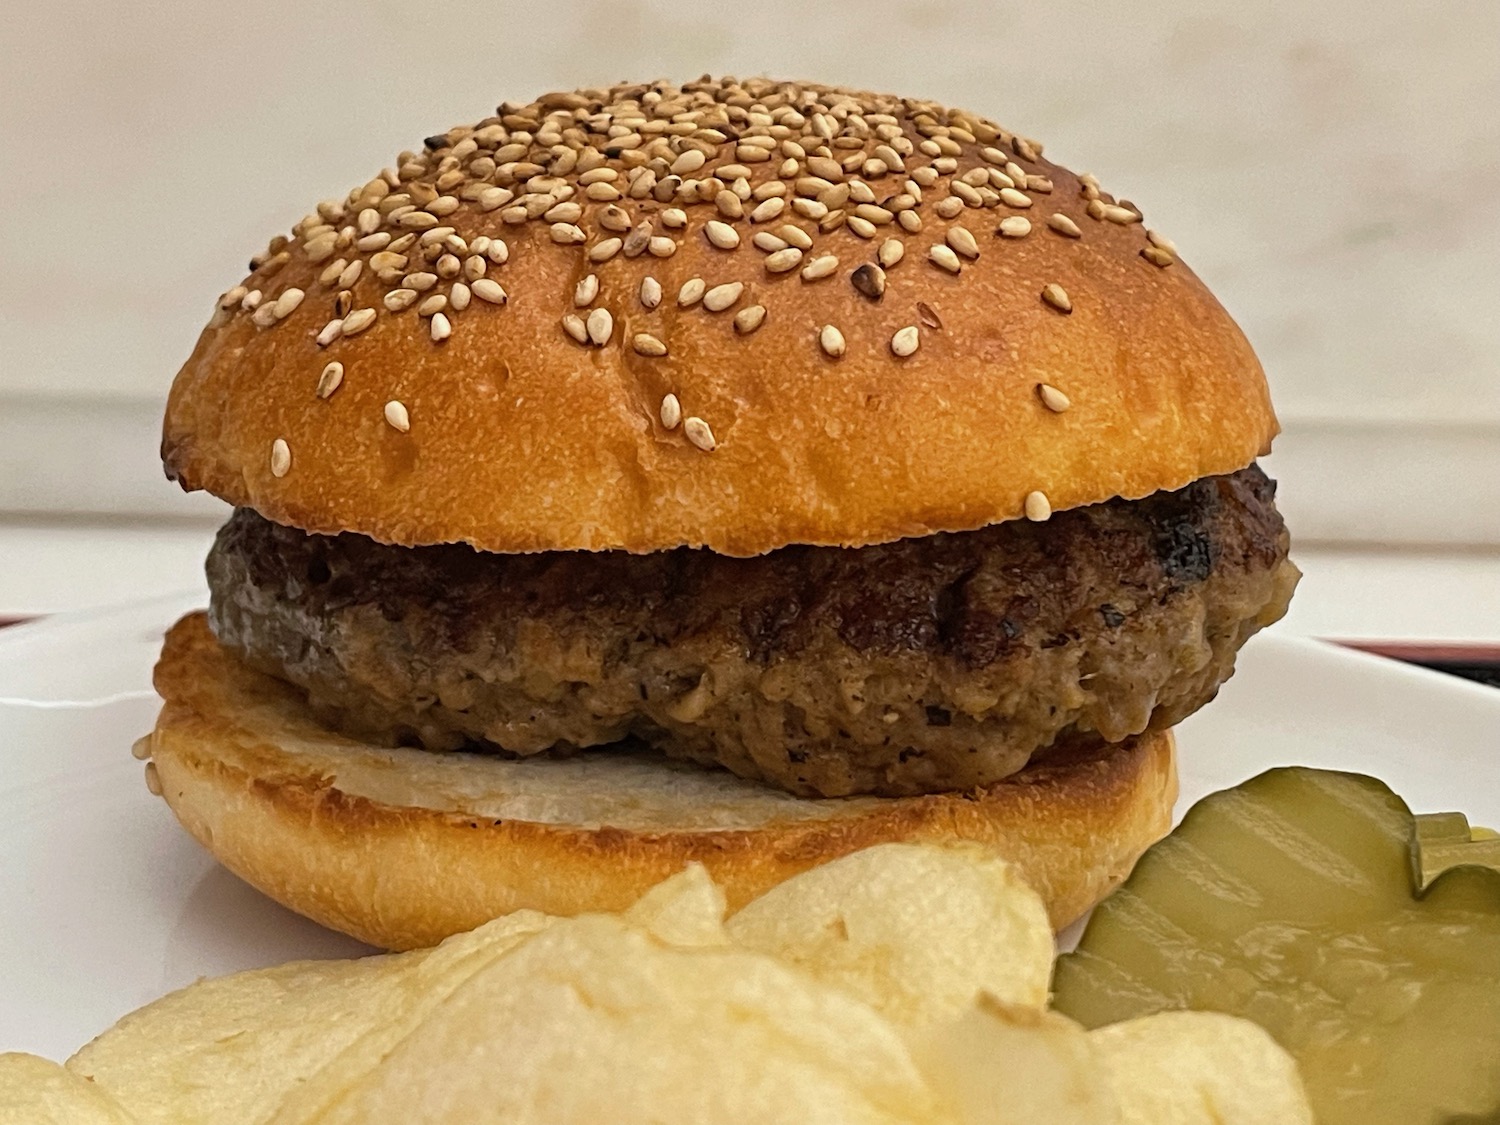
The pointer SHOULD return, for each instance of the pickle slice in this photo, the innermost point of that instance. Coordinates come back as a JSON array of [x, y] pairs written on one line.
[[1289, 901]]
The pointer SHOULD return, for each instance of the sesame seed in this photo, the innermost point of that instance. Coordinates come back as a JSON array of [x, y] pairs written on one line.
[[722, 235], [397, 416], [831, 340], [820, 267], [357, 321], [809, 208], [433, 304], [729, 204], [869, 280], [441, 328], [563, 213], [768, 210], [660, 246], [698, 432], [951, 207], [153, 780], [650, 292], [281, 458], [1064, 225], [1014, 198], [928, 315], [1052, 398], [689, 162], [962, 241], [910, 221], [287, 303], [1014, 226], [646, 344], [458, 296], [638, 240], [965, 194], [770, 243], [749, 318], [1038, 508], [489, 290], [330, 379], [1122, 215], [585, 291], [602, 193], [905, 341], [1056, 296], [566, 233], [601, 326], [891, 251], [1161, 242], [1157, 256], [604, 251], [691, 292], [475, 267], [783, 260], [498, 251], [943, 257], [674, 218], [574, 327], [671, 412], [862, 227], [721, 297], [420, 281], [493, 198], [795, 236], [330, 332]]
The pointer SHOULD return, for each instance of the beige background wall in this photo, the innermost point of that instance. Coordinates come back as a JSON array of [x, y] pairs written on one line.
[[1331, 167]]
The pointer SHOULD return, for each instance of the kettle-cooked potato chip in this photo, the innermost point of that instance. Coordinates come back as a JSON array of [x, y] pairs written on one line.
[[904, 985], [1200, 1068], [595, 1021], [687, 909], [227, 1050], [999, 1064], [34, 1091], [916, 931]]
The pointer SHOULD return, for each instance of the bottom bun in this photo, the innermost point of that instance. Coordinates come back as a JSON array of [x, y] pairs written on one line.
[[401, 848]]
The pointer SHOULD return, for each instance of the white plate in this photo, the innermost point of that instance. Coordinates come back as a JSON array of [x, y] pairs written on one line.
[[105, 903]]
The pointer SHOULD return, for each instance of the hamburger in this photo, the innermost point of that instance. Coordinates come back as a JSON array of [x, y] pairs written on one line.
[[740, 472]]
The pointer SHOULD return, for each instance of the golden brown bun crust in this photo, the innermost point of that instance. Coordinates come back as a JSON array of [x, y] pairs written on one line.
[[401, 848], [521, 439]]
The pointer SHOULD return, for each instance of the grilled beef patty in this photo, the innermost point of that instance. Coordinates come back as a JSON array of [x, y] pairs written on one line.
[[935, 663]]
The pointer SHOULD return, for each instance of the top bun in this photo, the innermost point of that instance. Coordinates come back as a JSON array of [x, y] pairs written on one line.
[[913, 323]]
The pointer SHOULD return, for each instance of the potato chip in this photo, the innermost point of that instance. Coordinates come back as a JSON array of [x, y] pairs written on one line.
[[593, 1021], [35, 1091], [916, 931], [229, 1049], [1200, 1068], [687, 909], [999, 1064]]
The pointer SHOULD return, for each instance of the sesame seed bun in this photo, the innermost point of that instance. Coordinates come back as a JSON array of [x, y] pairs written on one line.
[[401, 848], [732, 315]]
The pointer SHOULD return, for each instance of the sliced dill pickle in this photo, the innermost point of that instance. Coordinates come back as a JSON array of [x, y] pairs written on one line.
[[1291, 901], [1445, 840]]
